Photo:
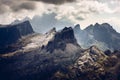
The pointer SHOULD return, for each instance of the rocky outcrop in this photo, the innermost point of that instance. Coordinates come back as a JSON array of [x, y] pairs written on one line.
[[77, 28], [24, 28], [10, 34], [81, 36], [90, 59], [61, 39], [93, 64]]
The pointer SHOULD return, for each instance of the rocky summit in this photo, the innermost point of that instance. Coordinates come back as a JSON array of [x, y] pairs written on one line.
[[61, 39], [10, 34]]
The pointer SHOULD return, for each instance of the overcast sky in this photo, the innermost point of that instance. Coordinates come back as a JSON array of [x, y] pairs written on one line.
[[84, 12]]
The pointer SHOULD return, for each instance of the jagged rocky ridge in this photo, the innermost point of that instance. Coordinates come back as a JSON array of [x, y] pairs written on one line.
[[92, 35], [101, 35], [56, 55], [61, 39], [43, 61]]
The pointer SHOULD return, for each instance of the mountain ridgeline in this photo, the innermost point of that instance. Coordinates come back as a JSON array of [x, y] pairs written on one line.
[[56, 55], [101, 35], [59, 49]]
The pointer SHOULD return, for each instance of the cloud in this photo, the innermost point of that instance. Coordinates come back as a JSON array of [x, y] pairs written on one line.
[[3, 8], [75, 11], [15, 5], [24, 5], [81, 10], [55, 1]]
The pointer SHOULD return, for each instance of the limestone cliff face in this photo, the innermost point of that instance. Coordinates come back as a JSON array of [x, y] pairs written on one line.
[[24, 28], [10, 34], [61, 39]]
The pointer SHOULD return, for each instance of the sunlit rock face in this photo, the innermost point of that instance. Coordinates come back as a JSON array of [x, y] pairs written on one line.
[[10, 34], [90, 58]]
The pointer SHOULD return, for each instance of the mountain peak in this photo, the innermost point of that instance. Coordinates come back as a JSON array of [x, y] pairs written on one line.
[[10, 34], [103, 25], [93, 46], [77, 27], [106, 25], [97, 24], [53, 30], [16, 22], [66, 34], [61, 39], [67, 28], [26, 18], [103, 35], [95, 50]]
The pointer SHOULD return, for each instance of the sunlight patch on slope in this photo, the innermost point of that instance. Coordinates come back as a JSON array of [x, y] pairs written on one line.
[[39, 40]]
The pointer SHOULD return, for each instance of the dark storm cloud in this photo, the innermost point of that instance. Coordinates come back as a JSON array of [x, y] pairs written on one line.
[[3, 9], [55, 1], [15, 5], [23, 5]]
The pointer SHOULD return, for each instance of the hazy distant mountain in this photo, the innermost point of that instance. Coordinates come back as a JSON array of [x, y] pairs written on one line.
[[101, 35], [105, 33]]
